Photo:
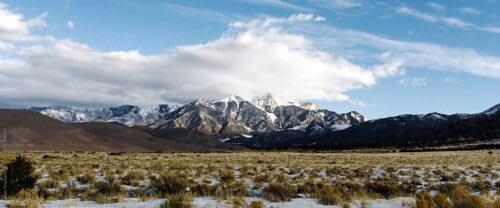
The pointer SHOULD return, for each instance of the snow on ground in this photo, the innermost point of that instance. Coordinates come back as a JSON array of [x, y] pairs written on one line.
[[76, 203], [209, 202]]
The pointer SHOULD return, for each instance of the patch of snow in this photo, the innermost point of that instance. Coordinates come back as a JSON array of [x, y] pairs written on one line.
[[246, 136], [299, 128], [338, 127], [271, 116]]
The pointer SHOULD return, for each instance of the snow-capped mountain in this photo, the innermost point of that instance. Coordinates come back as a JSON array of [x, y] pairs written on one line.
[[127, 114], [231, 116], [269, 103], [403, 130], [493, 110]]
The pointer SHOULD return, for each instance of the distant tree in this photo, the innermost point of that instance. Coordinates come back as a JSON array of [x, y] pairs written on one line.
[[19, 175]]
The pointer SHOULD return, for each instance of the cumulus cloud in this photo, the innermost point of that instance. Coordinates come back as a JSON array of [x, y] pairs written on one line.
[[14, 27], [251, 59], [4, 46]]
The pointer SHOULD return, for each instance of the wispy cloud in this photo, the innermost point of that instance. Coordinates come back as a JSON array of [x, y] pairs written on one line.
[[356, 44], [450, 21], [417, 14], [417, 81], [468, 10], [436, 6], [337, 4], [490, 29], [204, 13], [278, 3], [450, 80]]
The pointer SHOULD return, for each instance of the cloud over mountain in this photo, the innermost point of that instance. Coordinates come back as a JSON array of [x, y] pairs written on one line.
[[250, 59]]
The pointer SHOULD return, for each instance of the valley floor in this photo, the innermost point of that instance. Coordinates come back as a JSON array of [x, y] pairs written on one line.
[[278, 179]]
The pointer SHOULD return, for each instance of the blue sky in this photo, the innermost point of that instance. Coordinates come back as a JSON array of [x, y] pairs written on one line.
[[388, 57]]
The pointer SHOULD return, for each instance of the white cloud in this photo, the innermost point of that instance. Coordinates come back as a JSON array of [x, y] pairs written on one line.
[[456, 22], [450, 80], [252, 58], [467, 10], [303, 17], [205, 13], [14, 27], [6, 46], [319, 19], [278, 3], [363, 46], [71, 25], [417, 14], [436, 6], [337, 4], [418, 81], [490, 29], [450, 21]]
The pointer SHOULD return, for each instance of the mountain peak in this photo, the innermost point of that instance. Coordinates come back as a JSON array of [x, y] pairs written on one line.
[[232, 98], [269, 102], [492, 110]]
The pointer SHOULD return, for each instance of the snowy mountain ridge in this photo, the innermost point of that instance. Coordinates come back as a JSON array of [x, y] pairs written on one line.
[[231, 116]]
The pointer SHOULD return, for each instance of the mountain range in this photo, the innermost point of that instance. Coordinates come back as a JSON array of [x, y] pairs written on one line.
[[267, 122], [231, 117], [405, 131]]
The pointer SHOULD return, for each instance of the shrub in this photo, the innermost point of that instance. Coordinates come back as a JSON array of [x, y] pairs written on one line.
[[496, 204], [202, 189], [170, 184], [279, 192], [424, 200], [20, 175], [178, 201], [132, 178], [257, 204], [238, 202], [225, 190], [108, 188], [86, 179], [441, 201], [328, 196], [386, 189], [461, 198], [227, 177]]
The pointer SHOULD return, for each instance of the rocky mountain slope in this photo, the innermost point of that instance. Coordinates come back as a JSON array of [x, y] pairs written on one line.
[[231, 117]]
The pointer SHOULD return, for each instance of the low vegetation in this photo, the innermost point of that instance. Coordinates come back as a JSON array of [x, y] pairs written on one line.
[[430, 179]]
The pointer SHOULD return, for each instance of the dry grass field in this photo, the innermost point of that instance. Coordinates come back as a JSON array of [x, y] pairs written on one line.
[[256, 179]]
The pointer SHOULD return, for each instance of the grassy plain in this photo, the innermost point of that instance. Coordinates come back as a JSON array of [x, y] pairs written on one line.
[[459, 178]]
